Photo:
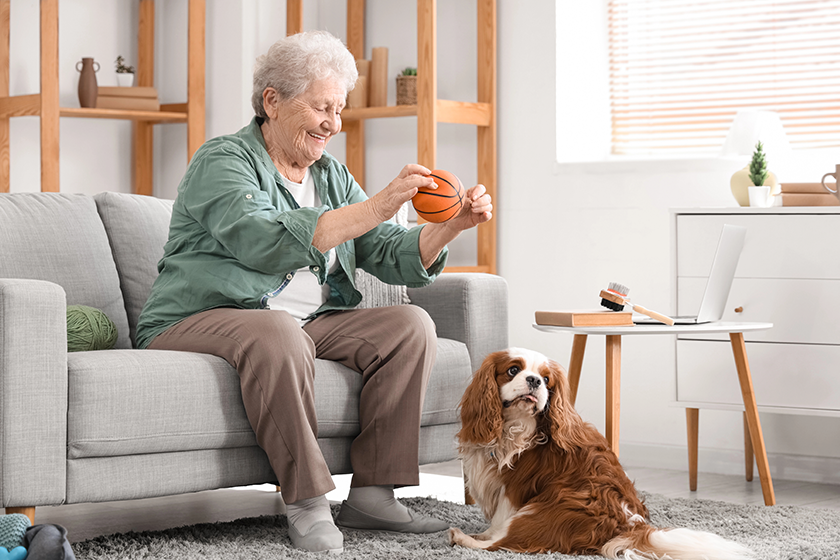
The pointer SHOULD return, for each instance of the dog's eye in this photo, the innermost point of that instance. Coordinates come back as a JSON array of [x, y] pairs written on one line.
[[513, 370], [546, 380]]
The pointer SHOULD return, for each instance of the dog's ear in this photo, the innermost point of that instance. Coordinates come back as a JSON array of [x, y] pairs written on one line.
[[481, 405], [566, 425]]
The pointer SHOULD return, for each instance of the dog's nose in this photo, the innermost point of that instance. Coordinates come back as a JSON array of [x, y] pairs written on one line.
[[533, 381]]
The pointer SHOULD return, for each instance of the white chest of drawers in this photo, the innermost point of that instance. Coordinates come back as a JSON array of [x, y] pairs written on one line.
[[789, 275]]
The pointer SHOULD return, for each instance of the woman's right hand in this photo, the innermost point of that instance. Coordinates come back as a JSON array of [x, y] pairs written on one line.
[[389, 200]]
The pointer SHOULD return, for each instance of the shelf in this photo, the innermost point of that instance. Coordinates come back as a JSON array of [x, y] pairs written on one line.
[[478, 268], [458, 112], [126, 114], [363, 113], [30, 106], [46, 104]]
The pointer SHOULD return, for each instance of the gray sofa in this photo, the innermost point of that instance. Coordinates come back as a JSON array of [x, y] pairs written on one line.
[[123, 424]]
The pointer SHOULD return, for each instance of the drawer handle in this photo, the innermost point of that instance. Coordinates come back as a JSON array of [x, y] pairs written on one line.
[[739, 309]]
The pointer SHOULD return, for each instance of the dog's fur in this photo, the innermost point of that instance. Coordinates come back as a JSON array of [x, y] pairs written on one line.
[[546, 480]]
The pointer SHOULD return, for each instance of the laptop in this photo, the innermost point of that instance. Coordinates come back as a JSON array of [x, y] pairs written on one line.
[[720, 280]]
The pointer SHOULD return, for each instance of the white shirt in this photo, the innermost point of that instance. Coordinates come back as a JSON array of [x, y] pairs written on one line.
[[303, 295]]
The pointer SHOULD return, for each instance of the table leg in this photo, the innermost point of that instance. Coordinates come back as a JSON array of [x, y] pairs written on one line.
[[739, 350], [575, 365], [692, 424], [749, 454], [613, 404]]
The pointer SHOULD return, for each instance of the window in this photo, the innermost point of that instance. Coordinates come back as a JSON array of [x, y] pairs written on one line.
[[681, 69]]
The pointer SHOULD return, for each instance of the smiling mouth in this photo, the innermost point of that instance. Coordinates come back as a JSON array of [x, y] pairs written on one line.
[[317, 136], [522, 398]]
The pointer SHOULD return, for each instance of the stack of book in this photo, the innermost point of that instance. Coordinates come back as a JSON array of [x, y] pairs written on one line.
[[130, 98], [808, 194]]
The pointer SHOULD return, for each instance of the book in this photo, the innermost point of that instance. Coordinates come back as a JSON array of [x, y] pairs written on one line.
[[809, 199], [130, 103], [585, 318], [136, 91], [802, 188]]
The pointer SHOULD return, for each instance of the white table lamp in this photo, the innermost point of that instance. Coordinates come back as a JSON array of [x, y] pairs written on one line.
[[748, 128]]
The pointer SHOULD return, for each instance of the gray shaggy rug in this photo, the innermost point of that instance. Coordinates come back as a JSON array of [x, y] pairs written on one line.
[[774, 533]]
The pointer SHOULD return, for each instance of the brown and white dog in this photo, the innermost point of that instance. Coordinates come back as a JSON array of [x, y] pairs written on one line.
[[547, 480]]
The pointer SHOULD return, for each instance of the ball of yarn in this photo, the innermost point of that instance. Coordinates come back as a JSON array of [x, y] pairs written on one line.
[[12, 529], [89, 328]]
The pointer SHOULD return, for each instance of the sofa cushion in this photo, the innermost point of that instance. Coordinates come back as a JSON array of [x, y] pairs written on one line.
[[137, 227], [125, 402], [128, 402], [337, 394], [375, 292], [60, 238]]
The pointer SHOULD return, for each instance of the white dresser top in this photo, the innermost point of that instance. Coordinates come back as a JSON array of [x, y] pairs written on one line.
[[760, 211]]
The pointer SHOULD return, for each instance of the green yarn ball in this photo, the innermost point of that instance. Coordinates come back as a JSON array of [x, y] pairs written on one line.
[[89, 328]]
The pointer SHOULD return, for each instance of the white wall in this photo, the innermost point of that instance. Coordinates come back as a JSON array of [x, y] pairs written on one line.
[[565, 230]]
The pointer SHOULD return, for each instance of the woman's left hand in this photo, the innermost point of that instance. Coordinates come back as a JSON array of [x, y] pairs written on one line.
[[434, 237], [477, 209]]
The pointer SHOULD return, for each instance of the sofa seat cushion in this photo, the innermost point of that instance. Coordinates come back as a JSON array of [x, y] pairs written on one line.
[[129, 402], [60, 238], [337, 392]]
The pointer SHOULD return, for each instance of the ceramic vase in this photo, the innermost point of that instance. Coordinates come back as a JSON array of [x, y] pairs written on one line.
[[88, 89]]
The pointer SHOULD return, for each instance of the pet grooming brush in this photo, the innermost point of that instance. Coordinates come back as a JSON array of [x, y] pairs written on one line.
[[615, 298]]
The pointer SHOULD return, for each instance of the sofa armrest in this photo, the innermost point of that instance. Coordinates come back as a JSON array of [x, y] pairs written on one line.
[[468, 307], [33, 393]]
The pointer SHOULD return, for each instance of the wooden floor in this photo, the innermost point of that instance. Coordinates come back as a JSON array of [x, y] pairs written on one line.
[[443, 480]]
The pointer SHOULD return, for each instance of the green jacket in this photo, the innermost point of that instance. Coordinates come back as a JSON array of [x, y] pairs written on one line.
[[237, 236]]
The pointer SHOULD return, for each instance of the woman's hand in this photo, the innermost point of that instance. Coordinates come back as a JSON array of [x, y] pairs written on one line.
[[477, 209], [389, 200]]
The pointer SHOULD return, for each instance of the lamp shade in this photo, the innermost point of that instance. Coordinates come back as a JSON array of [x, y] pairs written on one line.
[[751, 126]]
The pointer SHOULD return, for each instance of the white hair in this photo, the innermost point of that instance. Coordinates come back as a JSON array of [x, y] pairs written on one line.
[[294, 63]]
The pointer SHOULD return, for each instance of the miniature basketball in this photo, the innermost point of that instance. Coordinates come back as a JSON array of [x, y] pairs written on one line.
[[444, 202]]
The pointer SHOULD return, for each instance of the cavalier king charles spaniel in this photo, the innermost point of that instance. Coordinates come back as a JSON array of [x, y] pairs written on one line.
[[547, 480]]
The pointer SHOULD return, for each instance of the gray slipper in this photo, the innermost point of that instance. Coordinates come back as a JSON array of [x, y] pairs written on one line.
[[352, 518], [321, 537]]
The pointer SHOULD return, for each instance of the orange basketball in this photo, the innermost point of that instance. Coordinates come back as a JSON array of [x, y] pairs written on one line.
[[443, 203]]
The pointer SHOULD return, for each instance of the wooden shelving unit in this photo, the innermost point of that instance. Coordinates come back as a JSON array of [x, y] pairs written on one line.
[[45, 104], [429, 109]]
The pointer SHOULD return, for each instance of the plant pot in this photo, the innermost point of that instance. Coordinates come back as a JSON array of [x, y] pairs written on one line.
[[125, 79], [741, 182], [406, 90]]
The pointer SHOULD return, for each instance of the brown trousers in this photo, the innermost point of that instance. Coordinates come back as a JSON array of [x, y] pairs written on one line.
[[393, 348]]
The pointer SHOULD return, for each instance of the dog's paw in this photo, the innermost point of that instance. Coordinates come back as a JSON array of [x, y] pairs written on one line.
[[456, 536]]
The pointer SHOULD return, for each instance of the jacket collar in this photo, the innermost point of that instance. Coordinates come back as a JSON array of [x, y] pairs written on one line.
[[253, 137]]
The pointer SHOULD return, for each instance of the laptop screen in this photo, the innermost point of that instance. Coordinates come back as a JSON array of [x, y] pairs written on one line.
[[723, 271]]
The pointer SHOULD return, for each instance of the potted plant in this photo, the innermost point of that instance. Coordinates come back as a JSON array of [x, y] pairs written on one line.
[[125, 74], [756, 174], [407, 87]]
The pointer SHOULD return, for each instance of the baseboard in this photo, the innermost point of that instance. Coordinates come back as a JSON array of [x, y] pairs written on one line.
[[824, 470]]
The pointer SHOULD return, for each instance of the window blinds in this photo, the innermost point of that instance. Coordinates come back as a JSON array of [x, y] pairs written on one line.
[[681, 69]]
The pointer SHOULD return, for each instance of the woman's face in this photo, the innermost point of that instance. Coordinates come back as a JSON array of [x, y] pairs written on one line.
[[302, 127]]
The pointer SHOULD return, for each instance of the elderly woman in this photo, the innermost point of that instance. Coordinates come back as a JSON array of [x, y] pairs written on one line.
[[266, 233]]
